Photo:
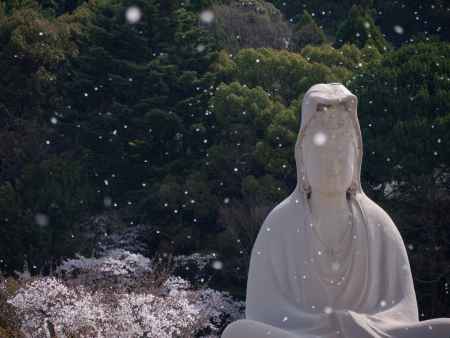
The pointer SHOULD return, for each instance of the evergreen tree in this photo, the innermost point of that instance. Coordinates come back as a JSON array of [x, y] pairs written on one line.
[[398, 20], [249, 24], [305, 32], [136, 105], [43, 188], [360, 29]]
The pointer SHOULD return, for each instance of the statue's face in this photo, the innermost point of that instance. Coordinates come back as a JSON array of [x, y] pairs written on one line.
[[329, 150]]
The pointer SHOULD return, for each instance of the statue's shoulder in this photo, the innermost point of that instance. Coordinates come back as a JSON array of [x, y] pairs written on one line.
[[272, 232], [378, 217], [283, 211], [273, 222]]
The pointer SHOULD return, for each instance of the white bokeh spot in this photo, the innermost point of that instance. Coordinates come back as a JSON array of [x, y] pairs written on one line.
[[320, 138], [133, 14]]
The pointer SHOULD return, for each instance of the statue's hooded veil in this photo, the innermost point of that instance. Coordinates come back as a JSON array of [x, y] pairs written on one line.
[[373, 297], [330, 94]]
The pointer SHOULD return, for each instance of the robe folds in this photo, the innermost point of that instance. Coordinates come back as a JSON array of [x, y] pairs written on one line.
[[372, 293]]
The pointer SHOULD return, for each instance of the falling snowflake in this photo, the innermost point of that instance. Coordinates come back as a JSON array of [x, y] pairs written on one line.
[[319, 138], [398, 29], [217, 265], [207, 16], [328, 309], [41, 219], [133, 14]]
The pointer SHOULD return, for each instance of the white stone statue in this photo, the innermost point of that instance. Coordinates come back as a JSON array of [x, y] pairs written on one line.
[[328, 261]]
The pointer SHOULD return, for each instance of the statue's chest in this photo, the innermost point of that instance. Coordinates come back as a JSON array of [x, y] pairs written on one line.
[[332, 231]]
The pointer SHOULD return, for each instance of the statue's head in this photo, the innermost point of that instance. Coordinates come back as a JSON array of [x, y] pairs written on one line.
[[329, 145], [329, 150]]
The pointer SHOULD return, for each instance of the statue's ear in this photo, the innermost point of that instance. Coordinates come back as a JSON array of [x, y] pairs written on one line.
[[306, 187], [352, 189]]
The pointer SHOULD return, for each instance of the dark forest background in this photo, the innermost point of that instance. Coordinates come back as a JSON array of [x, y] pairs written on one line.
[[184, 126]]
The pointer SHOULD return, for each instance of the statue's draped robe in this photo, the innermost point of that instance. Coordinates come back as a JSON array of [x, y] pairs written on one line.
[[285, 296]]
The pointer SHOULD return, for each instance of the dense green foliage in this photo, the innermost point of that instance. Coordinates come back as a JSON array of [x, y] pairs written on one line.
[[248, 24], [414, 17], [176, 125], [359, 29], [306, 32]]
